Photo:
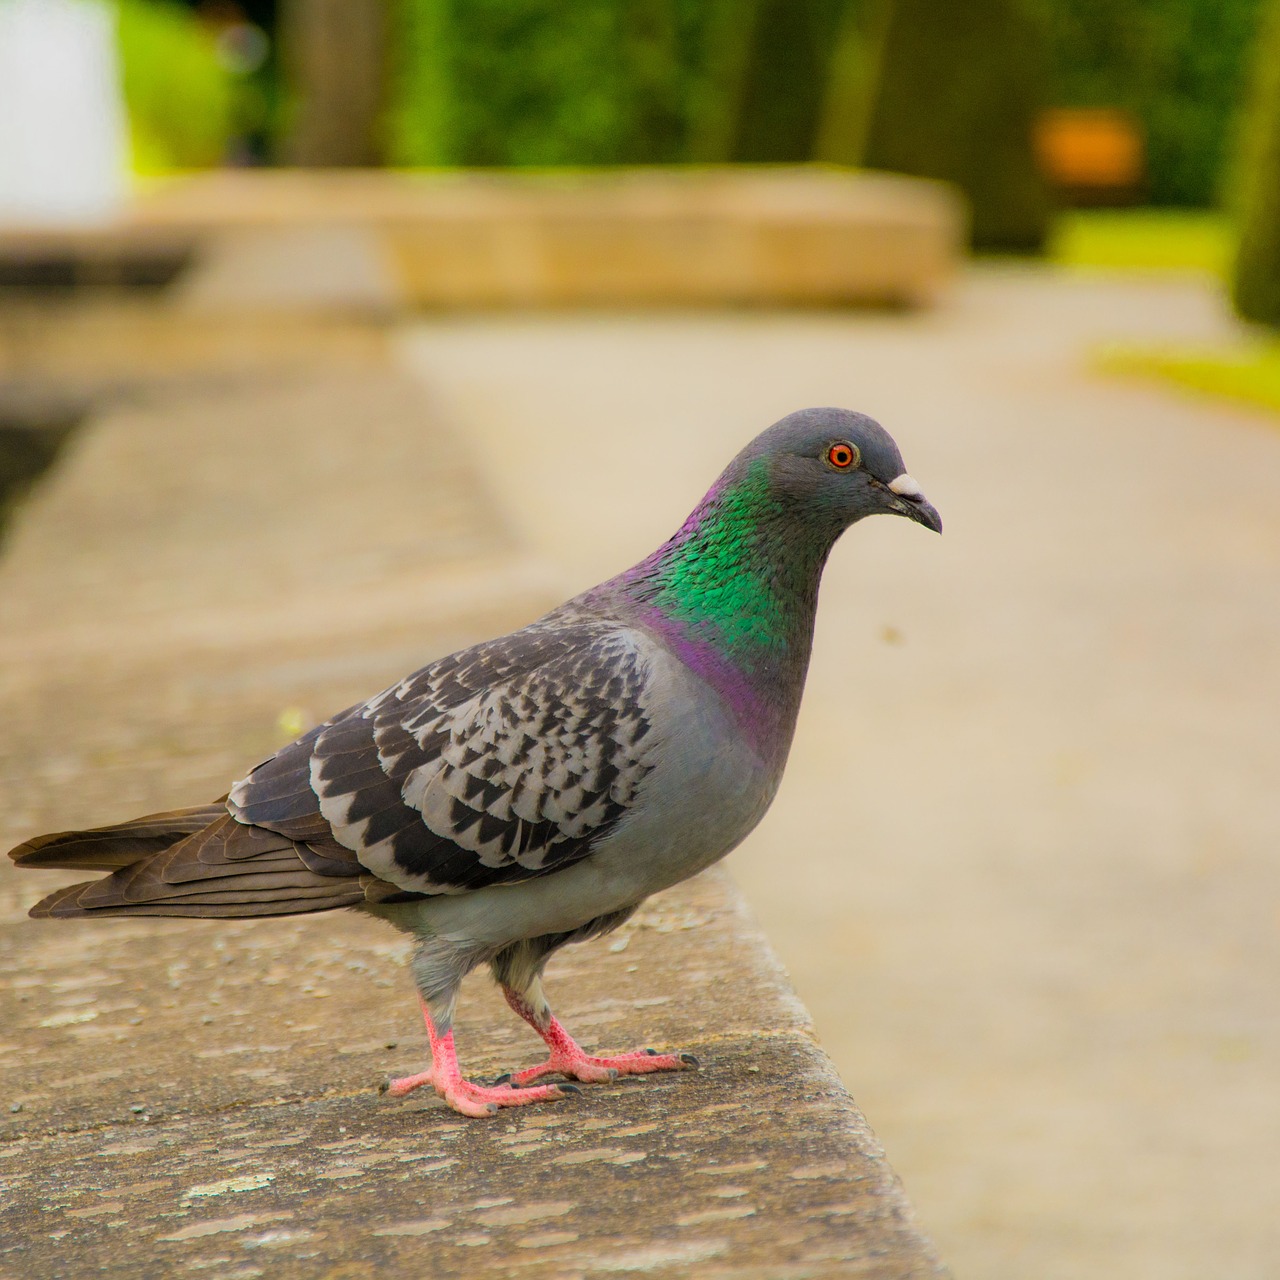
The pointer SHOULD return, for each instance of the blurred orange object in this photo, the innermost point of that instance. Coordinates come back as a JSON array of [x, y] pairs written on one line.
[[1091, 150]]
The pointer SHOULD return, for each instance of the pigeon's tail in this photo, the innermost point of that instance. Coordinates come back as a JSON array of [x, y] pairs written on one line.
[[106, 848], [198, 862]]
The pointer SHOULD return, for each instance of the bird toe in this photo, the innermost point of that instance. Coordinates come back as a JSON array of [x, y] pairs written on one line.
[[398, 1088]]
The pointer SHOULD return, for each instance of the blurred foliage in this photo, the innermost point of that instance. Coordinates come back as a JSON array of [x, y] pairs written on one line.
[[1143, 240], [925, 86], [1180, 66], [532, 82], [180, 98], [959, 87], [1255, 285], [1249, 375], [536, 82]]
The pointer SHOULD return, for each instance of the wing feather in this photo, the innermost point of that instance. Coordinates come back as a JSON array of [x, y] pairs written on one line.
[[496, 764]]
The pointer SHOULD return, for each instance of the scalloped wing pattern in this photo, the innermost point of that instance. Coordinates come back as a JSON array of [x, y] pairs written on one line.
[[496, 764]]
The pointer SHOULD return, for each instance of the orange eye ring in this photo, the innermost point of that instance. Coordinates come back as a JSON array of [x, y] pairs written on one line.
[[842, 455]]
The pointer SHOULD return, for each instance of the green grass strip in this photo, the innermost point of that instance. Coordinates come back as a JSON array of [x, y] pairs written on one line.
[[1246, 374], [1143, 240]]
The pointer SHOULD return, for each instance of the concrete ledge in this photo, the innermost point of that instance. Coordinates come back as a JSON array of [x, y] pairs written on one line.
[[213, 1099], [183, 1099], [738, 235]]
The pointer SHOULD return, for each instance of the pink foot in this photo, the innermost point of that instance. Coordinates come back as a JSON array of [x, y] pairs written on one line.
[[592, 1070], [483, 1100], [568, 1058], [478, 1099], [463, 1096]]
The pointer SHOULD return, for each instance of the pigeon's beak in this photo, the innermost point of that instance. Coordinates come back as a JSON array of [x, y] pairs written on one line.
[[909, 501]]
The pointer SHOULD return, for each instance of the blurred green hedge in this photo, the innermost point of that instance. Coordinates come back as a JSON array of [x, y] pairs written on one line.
[[179, 97], [537, 82], [1255, 285]]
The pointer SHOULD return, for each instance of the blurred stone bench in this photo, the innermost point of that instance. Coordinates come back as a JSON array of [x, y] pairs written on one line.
[[742, 236]]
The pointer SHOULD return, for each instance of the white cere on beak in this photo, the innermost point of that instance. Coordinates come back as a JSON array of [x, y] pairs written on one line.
[[905, 487]]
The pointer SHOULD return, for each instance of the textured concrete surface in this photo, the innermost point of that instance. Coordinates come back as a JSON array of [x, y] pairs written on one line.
[[1023, 864], [261, 1147], [216, 563]]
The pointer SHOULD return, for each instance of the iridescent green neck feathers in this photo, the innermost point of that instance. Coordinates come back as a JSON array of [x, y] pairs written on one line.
[[742, 572]]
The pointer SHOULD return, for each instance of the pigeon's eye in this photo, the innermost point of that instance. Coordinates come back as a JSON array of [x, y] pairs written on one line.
[[842, 455]]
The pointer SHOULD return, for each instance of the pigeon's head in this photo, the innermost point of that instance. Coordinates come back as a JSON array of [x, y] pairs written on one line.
[[839, 465]]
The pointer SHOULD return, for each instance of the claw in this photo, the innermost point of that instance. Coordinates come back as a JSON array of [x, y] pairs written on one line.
[[405, 1084], [688, 1060]]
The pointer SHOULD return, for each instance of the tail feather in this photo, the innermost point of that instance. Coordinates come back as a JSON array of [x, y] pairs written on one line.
[[64, 904], [121, 845], [198, 862]]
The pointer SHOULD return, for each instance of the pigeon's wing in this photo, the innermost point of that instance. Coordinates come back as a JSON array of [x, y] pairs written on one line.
[[497, 764]]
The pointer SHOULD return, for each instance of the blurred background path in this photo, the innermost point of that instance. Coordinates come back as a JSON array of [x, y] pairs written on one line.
[[1022, 867]]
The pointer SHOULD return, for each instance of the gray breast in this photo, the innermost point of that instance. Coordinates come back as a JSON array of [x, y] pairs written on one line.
[[704, 791]]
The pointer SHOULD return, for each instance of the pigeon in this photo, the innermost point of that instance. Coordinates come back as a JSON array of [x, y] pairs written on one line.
[[533, 790]]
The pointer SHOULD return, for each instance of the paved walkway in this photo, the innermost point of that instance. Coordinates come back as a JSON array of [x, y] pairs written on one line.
[[1023, 867]]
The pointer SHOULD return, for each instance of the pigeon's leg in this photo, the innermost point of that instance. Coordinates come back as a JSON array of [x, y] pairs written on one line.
[[438, 977], [568, 1057]]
